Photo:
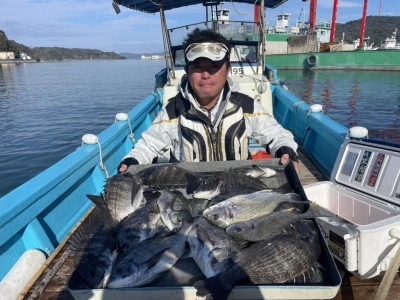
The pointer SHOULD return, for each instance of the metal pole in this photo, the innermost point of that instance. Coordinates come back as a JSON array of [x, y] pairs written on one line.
[[164, 34]]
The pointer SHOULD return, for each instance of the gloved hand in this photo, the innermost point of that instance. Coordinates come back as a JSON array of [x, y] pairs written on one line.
[[123, 166], [285, 153]]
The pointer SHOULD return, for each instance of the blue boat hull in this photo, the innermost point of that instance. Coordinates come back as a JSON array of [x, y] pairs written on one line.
[[40, 213]]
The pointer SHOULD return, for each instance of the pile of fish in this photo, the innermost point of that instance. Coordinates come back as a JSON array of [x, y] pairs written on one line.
[[234, 227]]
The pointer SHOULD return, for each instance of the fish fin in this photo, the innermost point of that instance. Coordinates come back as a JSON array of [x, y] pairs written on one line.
[[213, 287], [192, 182], [315, 207], [98, 200], [81, 237]]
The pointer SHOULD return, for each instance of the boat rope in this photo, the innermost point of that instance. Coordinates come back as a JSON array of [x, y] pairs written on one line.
[[125, 117], [246, 12], [93, 139], [156, 4], [313, 108]]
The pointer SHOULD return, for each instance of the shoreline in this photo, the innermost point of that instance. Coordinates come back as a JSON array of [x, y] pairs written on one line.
[[17, 61]]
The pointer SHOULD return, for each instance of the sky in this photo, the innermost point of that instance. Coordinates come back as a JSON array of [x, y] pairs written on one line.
[[93, 24]]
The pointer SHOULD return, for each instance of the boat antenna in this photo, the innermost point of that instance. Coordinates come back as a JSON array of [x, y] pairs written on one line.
[[262, 34]]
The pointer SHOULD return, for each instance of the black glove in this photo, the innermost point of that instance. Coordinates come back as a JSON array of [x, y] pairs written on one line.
[[128, 161], [287, 150]]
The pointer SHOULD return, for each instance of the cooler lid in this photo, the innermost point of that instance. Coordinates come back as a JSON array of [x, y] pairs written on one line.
[[370, 167]]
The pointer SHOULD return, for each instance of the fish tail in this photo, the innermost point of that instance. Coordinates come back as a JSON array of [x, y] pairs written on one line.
[[311, 211], [315, 207], [214, 287]]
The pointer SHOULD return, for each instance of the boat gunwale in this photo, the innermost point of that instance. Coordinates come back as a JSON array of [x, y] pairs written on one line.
[[57, 179]]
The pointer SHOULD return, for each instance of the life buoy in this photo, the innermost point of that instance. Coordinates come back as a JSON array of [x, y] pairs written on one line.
[[312, 60]]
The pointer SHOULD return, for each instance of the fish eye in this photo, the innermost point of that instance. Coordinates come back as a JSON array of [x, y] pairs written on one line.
[[238, 229], [215, 216]]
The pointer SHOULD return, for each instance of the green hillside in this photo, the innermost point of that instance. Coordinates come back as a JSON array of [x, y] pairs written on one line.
[[377, 29], [54, 53]]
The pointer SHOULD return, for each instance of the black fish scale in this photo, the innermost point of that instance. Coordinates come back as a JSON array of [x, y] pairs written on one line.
[[139, 225], [166, 176], [229, 180], [120, 191], [272, 261]]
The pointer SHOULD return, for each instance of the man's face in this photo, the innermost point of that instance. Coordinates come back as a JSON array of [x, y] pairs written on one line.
[[207, 79]]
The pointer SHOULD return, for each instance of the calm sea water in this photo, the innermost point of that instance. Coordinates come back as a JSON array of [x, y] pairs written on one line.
[[45, 108]]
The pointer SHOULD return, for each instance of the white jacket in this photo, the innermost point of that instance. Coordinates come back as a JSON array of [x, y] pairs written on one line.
[[184, 131]]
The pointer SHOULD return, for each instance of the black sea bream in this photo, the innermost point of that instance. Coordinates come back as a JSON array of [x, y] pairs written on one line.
[[272, 261]]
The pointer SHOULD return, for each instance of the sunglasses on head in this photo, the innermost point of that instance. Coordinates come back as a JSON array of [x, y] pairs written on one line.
[[217, 51]]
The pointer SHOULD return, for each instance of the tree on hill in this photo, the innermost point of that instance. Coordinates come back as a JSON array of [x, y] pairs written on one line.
[[377, 29], [54, 53]]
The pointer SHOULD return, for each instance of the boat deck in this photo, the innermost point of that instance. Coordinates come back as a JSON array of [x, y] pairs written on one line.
[[52, 283]]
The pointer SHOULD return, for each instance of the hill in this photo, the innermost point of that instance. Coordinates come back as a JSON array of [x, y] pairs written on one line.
[[377, 29], [54, 53]]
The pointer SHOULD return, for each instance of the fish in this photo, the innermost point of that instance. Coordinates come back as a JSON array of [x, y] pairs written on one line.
[[309, 230], [245, 207], [224, 182], [211, 248], [95, 250], [267, 226], [272, 261], [142, 224], [150, 258], [168, 176], [172, 206], [122, 195], [255, 171]]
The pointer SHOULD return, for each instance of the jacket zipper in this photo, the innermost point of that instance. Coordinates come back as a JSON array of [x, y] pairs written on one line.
[[213, 138]]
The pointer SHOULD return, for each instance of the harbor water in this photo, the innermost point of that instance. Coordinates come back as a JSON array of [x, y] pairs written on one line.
[[45, 108]]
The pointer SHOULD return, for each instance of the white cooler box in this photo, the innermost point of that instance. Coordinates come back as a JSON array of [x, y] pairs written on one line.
[[359, 208]]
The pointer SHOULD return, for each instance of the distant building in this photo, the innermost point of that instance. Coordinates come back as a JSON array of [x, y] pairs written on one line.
[[152, 57], [7, 55]]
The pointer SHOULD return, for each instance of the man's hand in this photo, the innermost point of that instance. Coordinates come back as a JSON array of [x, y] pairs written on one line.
[[122, 168], [285, 158]]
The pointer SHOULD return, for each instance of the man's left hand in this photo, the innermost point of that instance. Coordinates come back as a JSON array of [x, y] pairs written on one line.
[[285, 158]]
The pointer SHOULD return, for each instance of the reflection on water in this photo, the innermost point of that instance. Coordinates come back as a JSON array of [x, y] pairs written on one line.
[[45, 108], [352, 98]]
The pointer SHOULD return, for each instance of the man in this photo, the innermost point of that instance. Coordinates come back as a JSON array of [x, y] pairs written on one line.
[[209, 120]]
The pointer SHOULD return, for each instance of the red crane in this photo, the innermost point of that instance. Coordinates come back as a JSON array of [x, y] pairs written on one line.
[[363, 22], [313, 16], [333, 25]]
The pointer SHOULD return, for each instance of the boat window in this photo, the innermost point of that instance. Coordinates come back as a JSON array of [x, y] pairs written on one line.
[[179, 57], [232, 30], [244, 53], [243, 35]]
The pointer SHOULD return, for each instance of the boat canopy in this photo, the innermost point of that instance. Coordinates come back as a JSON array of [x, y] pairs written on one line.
[[153, 6]]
